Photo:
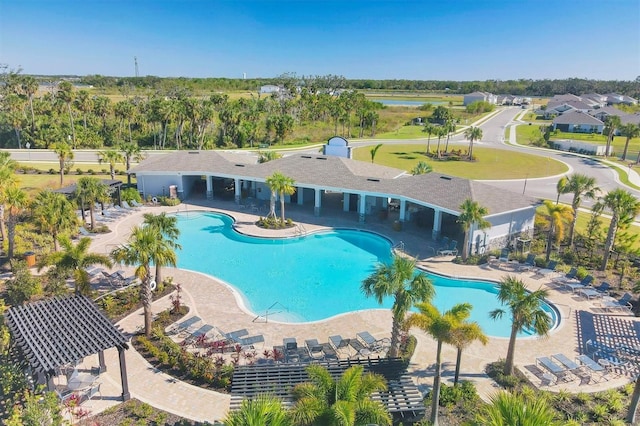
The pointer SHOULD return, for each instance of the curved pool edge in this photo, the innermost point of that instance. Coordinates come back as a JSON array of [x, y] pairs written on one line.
[[558, 325]]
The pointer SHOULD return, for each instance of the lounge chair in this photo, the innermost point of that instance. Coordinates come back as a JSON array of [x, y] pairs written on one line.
[[603, 288], [290, 346], [529, 264], [573, 367], [371, 343], [593, 366], [198, 335], [235, 336], [584, 283], [315, 349], [504, 256], [452, 250], [550, 269], [183, 326], [622, 304], [250, 342], [559, 371], [568, 277], [340, 346], [134, 203], [128, 207], [83, 231]]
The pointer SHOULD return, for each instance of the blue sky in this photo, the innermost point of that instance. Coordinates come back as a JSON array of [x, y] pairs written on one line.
[[424, 40]]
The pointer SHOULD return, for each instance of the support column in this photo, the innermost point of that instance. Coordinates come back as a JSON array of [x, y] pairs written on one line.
[[346, 198], [101, 363], [123, 375], [238, 190], [300, 196], [437, 224], [209, 188], [318, 202], [403, 206], [361, 208]]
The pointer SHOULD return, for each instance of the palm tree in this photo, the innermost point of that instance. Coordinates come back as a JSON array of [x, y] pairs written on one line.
[[88, 191], [635, 400], [623, 206], [373, 151], [558, 215], [429, 129], [15, 201], [440, 131], [54, 214], [461, 337], [130, 152], [262, 410], [440, 326], [612, 123], [579, 185], [473, 134], [112, 157], [508, 408], [629, 130], [145, 246], [7, 179], [30, 87], [75, 259], [526, 312], [65, 154], [421, 168], [399, 280], [168, 227], [343, 402], [561, 187], [282, 185], [67, 95], [471, 213]]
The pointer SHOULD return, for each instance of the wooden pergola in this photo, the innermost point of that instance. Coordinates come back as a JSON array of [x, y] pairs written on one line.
[[59, 331]]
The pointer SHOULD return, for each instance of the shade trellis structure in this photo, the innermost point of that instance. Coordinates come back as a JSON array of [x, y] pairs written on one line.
[[55, 332]]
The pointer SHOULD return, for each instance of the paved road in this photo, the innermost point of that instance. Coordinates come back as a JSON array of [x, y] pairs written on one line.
[[493, 130]]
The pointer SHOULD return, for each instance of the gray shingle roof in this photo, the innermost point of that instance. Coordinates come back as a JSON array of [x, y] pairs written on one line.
[[342, 174], [577, 117]]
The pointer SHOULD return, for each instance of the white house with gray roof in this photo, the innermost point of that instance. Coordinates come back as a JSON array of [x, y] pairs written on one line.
[[577, 122], [432, 201]]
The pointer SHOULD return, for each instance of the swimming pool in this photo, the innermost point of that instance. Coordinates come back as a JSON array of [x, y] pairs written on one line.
[[313, 277]]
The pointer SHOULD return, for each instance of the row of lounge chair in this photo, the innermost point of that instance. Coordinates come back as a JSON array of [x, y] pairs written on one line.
[[194, 332], [559, 368]]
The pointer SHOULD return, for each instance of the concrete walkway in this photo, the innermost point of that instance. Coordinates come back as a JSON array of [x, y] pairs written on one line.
[[219, 305]]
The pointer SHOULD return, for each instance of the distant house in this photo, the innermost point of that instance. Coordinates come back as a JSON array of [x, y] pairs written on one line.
[[578, 122], [270, 88], [630, 118], [555, 108], [615, 99], [601, 100], [509, 100], [604, 112], [480, 96]]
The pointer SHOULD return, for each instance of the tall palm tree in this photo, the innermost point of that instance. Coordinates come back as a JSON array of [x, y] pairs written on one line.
[[111, 157], [473, 134], [343, 402], [90, 190], [282, 185], [635, 400], [471, 213], [506, 408], [429, 129], [612, 123], [262, 410], [54, 214], [168, 227], [580, 186], [75, 259], [629, 130], [30, 87], [145, 246], [399, 280], [131, 152], [440, 131], [7, 179], [461, 337], [623, 205], [440, 326], [15, 201], [561, 187], [526, 311], [67, 95], [64, 153], [558, 216]]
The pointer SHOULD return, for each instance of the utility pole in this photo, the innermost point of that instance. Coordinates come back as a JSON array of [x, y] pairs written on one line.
[[135, 61]]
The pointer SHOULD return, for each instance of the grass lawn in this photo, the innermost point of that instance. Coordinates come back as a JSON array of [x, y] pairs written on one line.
[[583, 221], [491, 163]]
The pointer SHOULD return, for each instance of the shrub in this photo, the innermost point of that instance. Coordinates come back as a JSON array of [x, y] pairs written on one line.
[[166, 201], [53, 171], [79, 171], [91, 172], [131, 194], [465, 391]]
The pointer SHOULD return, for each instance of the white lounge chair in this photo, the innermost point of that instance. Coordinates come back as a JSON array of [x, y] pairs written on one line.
[[134, 203], [315, 349], [340, 346], [623, 304], [127, 206]]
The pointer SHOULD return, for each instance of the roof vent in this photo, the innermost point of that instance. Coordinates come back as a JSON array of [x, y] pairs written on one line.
[[373, 180], [239, 165], [445, 177], [194, 152], [305, 156], [321, 158]]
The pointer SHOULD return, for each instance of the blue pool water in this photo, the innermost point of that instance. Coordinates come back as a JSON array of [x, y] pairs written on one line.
[[313, 277]]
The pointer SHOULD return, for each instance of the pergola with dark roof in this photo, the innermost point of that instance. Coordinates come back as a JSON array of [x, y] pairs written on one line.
[[402, 398], [62, 330]]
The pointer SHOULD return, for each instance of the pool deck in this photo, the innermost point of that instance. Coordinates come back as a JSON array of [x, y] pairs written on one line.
[[217, 304]]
